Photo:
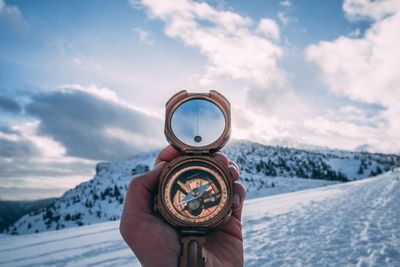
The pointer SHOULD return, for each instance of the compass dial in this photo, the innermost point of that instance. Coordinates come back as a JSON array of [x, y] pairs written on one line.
[[195, 194]]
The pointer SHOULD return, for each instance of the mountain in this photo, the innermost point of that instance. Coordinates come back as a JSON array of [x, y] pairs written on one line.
[[265, 170], [349, 224], [11, 211]]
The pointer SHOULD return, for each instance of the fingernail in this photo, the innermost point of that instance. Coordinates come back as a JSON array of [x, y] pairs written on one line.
[[235, 165], [236, 199]]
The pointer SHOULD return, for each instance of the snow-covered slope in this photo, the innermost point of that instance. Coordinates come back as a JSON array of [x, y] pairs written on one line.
[[351, 224], [265, 170]]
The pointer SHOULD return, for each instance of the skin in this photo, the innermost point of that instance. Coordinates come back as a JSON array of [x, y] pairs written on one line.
[[156, 243]]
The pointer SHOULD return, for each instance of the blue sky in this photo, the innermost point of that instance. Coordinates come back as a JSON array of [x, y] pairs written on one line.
[[85, 81]]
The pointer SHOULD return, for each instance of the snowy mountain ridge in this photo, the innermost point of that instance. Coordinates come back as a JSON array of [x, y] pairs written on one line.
[[350, 224], [265, 170]]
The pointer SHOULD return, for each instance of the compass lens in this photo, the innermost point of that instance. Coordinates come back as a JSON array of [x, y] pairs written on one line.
[[198, 122], [195, 193]]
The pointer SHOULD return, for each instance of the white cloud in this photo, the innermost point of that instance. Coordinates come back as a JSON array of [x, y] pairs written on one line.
[[348, 128], [11, 15], [283, 18], [143, 35], [100, 92], [364, 69], [63, 132], [232, 46], [269, 28], [367, 69], [355, 34], [83, 64], [7, 10], [257, 127], [23, 140], [36, 166], [47, 146], [80, 118], [285, 3], [370, 9]]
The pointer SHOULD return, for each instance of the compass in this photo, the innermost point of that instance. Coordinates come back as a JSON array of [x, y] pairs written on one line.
[[195, 190], [197, 193]]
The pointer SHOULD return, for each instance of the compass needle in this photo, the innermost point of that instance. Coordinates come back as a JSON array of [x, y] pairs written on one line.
[[184, 187]]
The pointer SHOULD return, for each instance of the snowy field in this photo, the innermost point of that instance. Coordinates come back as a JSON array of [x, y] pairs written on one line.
[[356, 224]]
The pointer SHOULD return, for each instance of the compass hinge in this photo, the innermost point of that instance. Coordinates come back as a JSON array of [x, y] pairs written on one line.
[[198, 152]]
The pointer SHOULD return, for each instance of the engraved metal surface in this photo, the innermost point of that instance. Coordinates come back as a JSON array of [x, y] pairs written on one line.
[[205, 188]]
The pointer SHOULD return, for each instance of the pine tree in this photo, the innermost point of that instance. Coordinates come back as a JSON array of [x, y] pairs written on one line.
[[360, 170], [117, 193]]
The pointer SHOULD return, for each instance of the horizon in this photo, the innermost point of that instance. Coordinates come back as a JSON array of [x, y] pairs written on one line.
[[301, 147], [82, 82]]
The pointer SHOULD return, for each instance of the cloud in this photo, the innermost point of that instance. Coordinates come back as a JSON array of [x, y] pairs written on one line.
[[269, 28], [35, 166], [11, 15], [285, 3], [279, 100], [143, 35], [370, 9], [230, 42], [13, 146], [93, 124], [347, 127], [7, 10], [9, 105], [256, 126], [365, 69], [21, 140], [33, 177], [283, 18], [64, 132]]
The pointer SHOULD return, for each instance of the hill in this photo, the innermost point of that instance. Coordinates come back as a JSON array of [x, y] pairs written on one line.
[[265, 170], [354, 224], [11, 211]]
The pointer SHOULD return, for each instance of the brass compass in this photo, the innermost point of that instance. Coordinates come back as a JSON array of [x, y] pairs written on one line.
[[195, 190]]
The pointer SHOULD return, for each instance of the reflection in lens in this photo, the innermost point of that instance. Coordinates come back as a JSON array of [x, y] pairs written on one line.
[[198, 122]]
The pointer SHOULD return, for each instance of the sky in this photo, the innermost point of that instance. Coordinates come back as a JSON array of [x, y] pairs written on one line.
[[87, 81]]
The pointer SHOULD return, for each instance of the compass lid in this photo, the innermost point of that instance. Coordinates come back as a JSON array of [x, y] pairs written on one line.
[[198, 123]]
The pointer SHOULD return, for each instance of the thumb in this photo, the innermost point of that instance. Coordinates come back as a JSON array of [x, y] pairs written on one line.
[[150, 179], [141, 190]]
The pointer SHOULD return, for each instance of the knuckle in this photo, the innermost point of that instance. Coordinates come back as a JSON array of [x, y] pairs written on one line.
[[133, 184]]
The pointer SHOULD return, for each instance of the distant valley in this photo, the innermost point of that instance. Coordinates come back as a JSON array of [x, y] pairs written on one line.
[[11, 211]]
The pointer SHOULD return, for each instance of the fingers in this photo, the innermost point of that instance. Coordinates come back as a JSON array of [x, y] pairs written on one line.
[[141, 190], [232, 166], [150, 179], [222, 158], [234, 172], [234, 226], [168, 154], [239, 195]]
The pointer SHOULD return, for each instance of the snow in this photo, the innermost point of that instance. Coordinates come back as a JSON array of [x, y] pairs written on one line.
[[265, 171], [355, 223], [349, 224], [99, 244], [281, 185]]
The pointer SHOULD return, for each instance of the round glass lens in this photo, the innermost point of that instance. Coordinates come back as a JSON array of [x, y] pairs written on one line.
[[198, 122]]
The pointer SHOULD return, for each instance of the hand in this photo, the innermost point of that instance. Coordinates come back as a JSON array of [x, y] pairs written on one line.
[[156, 243]]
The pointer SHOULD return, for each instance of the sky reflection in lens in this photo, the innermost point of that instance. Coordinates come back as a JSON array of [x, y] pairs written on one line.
[[198, 122]]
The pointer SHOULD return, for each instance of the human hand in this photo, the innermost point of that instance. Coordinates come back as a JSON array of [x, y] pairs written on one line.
[[156, 243]]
